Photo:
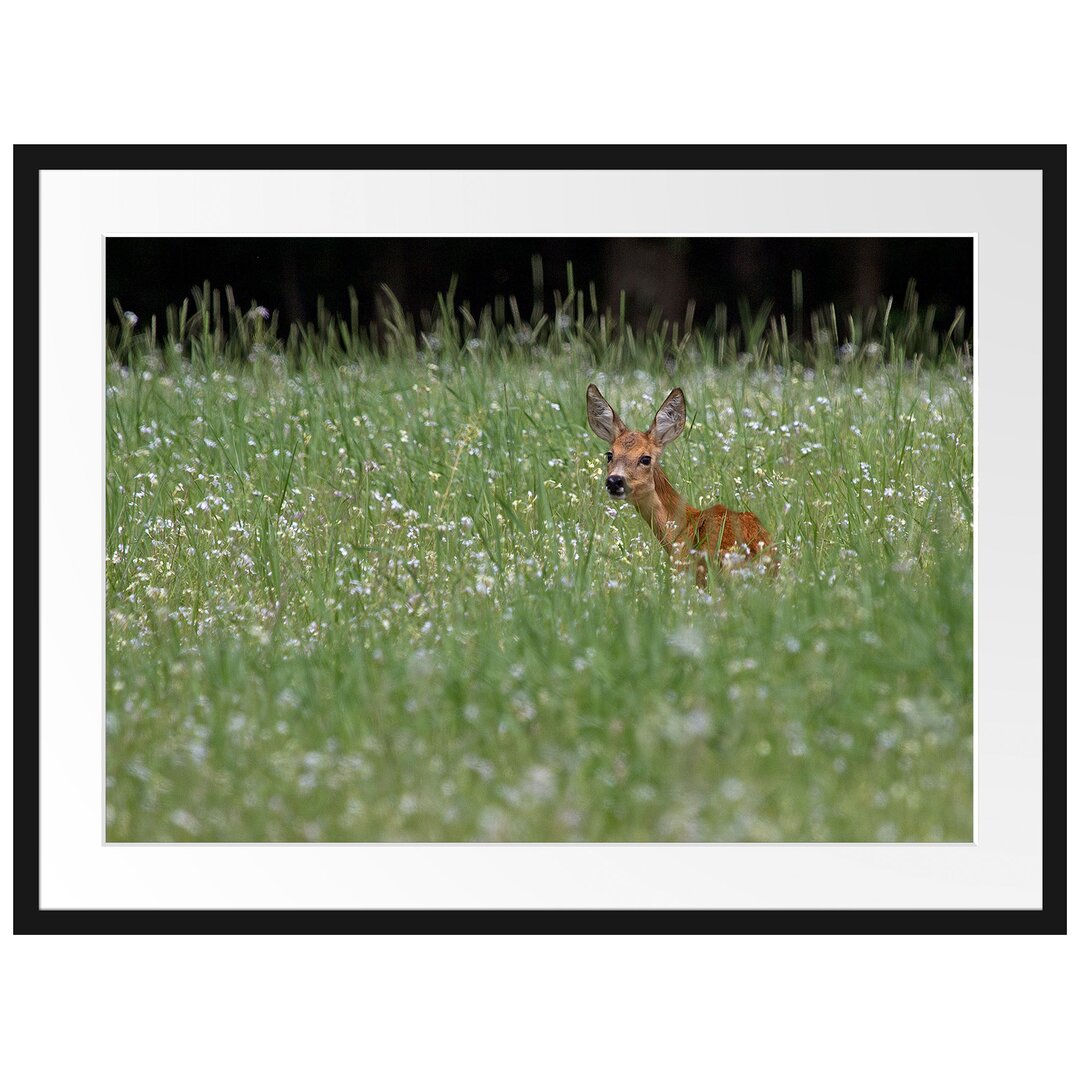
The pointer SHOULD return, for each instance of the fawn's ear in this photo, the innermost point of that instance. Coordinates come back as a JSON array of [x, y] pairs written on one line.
[[603, 419], [670, 418]]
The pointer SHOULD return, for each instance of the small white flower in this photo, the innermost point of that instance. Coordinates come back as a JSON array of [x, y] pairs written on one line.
[[732, 789], [539, 783], [688, 641], [697, 723], [183, 820]]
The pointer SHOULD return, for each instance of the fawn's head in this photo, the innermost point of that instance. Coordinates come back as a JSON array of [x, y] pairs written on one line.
[[634, 454]]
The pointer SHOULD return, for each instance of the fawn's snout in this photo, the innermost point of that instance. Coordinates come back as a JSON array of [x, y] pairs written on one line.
[[616, 486]]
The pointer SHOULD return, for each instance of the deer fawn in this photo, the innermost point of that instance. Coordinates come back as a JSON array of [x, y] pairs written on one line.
[[690, 536]]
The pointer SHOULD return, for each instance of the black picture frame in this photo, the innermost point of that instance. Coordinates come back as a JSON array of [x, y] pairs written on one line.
[[31, 160]]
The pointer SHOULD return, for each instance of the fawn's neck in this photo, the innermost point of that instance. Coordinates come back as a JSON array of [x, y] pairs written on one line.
[[664, 510]]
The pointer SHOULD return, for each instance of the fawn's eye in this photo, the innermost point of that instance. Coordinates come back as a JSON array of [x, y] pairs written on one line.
[[609, 455], [646, 460]]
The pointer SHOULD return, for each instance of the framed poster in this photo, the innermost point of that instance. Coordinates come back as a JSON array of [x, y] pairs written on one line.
[[360, 618]]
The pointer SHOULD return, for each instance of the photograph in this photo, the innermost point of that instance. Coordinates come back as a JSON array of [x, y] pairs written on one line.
[[501, 539]]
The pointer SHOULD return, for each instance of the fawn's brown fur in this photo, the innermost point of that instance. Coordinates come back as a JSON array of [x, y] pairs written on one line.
[[692, 537]]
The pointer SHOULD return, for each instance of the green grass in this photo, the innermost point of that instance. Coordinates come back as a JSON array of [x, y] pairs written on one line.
[[359, 596]]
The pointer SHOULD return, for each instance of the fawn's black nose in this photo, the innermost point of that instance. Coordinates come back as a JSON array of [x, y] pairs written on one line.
[[616, 485]]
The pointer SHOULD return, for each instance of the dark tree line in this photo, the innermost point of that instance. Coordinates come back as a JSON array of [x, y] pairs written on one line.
[[146, 275]]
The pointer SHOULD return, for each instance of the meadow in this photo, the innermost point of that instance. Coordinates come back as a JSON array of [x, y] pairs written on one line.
[[363, 590]]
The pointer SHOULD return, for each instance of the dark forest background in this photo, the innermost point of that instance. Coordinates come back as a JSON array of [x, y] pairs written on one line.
[[289, 274]]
